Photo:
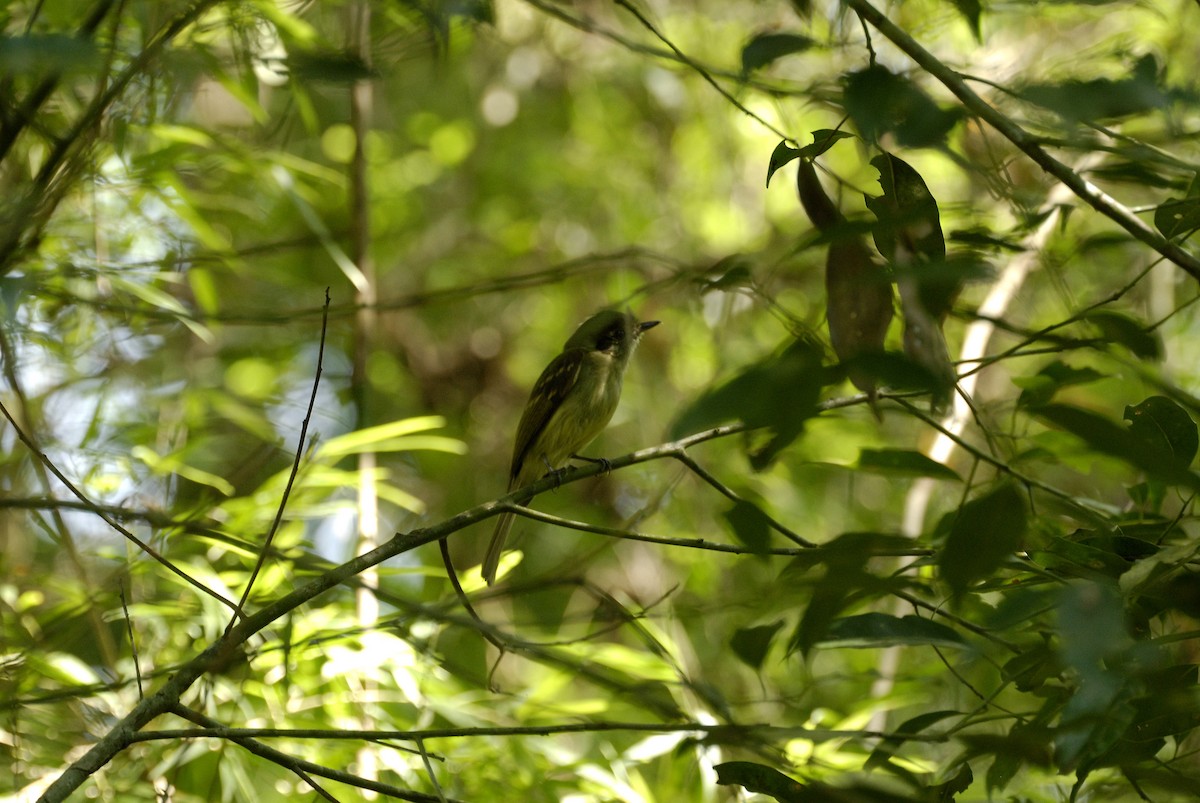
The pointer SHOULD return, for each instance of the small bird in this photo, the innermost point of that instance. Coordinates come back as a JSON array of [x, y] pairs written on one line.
[[571, 403]]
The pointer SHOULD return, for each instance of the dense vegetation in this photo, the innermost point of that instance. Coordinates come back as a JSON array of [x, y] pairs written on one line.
[[899, 501]]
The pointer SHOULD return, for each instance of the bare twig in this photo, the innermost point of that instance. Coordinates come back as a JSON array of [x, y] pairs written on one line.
[[305, 768], [287, 491]]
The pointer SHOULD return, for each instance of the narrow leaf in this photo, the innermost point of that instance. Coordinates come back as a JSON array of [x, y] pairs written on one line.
[[904, 462], [768, 47], [884, 630]]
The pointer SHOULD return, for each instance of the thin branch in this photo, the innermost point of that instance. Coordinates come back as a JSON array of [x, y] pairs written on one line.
[[98, 511], [287, 490], [1082, 188], [304, 768], [700, 70]]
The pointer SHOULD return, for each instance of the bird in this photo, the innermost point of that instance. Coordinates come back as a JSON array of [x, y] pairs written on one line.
[[570, 404]]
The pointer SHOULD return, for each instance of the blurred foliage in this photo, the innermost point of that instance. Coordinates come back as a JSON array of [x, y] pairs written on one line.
[[838, 614]]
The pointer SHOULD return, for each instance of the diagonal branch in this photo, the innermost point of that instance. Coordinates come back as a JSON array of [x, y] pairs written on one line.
[[1081, 187]]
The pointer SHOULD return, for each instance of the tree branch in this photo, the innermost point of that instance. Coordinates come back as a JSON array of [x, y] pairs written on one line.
[[1081, 187]]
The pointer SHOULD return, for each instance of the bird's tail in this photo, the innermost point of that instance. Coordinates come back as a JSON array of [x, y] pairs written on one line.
[[492, 560]]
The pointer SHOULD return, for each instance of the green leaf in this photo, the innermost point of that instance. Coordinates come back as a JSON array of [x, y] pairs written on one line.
[[767, 47], [886, 748], [1166, 428], [761, 779], [823, 140], [751, 644], [778, 393], [904, 462], [782, 154], [985, 533], [884, 630], [749, 525], [1109, 437], [881, 102], [1040, 388], [1177, 217], [971, 11], [1105, 98], [1128, 332]]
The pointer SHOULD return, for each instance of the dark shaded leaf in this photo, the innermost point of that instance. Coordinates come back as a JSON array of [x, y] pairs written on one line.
[[749, 525], [1111, 438], [884, 630], [1103, 98], [904, 462], [986, 532], [1166, 428], [778, 394], [887, 747], [1178, 217], [782, 154], [761, 779], [970, 10], [1041, 387], [909, 231], [333, 66], [881, 103], [751, 644], [767, 47], [1128, 332], [817, 205]]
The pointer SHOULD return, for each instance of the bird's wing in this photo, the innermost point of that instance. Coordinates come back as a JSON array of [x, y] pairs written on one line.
[[548, 393]]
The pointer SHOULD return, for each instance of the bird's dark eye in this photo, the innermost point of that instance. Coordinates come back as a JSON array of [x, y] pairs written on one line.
[[610, 338]]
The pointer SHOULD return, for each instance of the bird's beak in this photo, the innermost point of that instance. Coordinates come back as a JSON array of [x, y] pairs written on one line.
[[644, 325]]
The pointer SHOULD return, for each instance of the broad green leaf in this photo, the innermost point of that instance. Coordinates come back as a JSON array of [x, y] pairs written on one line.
[[883, 630], [1178, 217], [904, 462], [881, 102], [1128, 332], [1109, 437], [768, 47], [751, 644], [778, 393], [985, 533], [1166, 428], [1104, 98]]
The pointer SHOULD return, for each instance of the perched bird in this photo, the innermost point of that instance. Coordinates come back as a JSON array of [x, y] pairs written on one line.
[[570, 405]]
